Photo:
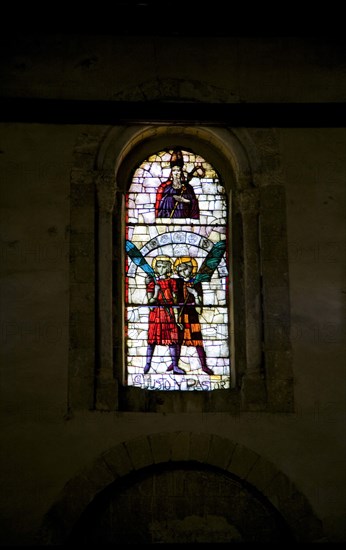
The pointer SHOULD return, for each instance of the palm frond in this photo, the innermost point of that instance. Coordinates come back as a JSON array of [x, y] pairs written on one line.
[[137, 257], [211, 262]]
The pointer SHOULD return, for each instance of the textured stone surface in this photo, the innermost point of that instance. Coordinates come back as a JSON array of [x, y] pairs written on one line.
[[199, 447], [220, 451], [161, 447], [41, 449], [139, 452], [181, 446], [242, 461], [118, 460]]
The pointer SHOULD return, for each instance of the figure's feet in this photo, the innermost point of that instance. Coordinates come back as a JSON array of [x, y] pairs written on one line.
[[177, 370], [146, 368], [207, 370]]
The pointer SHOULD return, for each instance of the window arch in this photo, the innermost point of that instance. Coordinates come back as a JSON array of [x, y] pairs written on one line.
[[177, 278], [247, 162]]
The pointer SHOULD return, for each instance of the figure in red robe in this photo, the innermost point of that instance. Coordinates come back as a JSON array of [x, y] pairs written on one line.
[[162, 329]]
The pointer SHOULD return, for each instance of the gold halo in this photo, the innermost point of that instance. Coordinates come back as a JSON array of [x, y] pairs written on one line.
[[162, 258], [185, 260]]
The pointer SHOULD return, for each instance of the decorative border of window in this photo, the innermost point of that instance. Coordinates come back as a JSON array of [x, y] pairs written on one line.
[[249, 164]]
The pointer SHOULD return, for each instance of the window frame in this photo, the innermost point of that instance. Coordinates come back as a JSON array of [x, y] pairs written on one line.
[[264, 379], [196, 227]]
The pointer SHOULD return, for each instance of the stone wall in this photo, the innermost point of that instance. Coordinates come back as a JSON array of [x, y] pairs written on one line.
[[44, 445]]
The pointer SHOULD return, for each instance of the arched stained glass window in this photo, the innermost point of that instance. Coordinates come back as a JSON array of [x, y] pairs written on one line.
[[177, 297]]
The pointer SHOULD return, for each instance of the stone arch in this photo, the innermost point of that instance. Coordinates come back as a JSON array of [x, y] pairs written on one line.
[[237, 165], [184, 447], [249, 162], [123, 147]]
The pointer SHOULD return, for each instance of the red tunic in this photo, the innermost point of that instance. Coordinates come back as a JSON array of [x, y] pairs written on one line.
[[162, 328]]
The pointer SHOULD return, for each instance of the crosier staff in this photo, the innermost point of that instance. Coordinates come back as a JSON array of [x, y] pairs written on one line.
[[208, 266], [197, 170], [190, 294]]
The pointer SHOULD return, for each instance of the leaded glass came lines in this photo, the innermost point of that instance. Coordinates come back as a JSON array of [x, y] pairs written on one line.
[[177, 276]]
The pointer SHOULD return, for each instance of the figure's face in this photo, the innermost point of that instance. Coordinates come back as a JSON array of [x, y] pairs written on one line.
[[163, 267], [176, 175], [185, 270]]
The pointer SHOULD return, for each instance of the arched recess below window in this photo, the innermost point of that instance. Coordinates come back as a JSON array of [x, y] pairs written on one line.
[[259, 337]]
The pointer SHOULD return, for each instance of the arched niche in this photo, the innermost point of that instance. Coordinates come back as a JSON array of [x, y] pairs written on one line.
[[179, 467], [248, 164]]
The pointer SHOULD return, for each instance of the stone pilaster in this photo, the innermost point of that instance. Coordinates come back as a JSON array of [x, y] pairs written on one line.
[[253, 383], [106, 385]]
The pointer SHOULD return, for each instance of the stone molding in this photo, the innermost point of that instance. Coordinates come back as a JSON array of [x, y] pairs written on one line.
[[207, 449]]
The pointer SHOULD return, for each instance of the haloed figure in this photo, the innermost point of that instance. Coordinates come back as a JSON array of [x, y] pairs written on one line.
[[190, 297], [162, 295]]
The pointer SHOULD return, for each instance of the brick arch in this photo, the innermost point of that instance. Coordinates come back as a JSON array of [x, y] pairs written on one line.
[[181, 446]]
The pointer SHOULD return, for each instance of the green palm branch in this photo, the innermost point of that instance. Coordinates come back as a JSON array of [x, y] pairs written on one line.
[[211, 262]]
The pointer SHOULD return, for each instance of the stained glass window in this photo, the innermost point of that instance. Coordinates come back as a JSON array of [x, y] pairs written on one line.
[[177, 277]]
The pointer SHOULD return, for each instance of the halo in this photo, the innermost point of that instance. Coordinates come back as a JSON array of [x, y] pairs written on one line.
[[185, 260], [163, 259]]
